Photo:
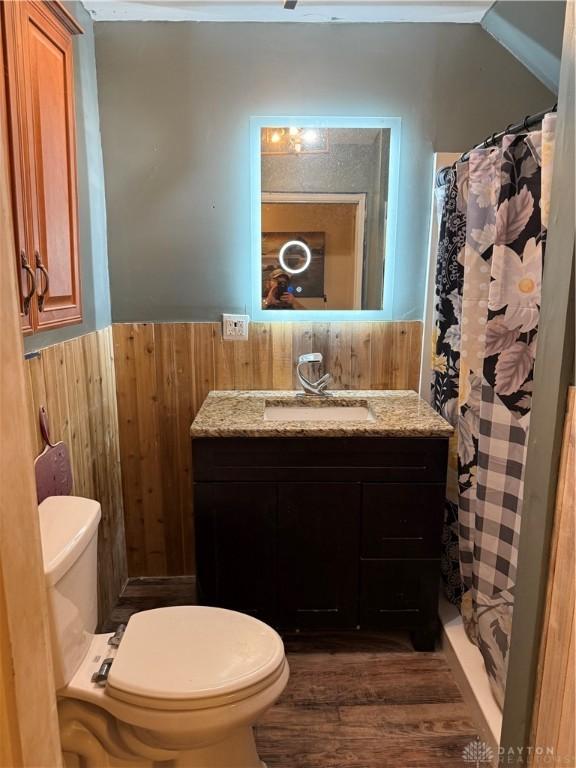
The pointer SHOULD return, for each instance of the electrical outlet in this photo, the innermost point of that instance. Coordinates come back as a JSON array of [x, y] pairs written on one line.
[[235, 327]]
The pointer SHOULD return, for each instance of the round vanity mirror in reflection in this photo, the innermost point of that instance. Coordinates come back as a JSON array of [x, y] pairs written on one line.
[[295, 257]]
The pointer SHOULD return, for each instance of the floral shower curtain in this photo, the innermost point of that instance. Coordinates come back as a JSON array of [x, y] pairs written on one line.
[[446, 358], [486, 334]]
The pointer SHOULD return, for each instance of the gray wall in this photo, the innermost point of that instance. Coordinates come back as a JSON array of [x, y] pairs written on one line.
[[91, 198], [175, 100], [532, 31]]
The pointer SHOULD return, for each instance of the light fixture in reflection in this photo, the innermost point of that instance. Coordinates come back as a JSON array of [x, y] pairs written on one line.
[[295, 244], [294, 140]]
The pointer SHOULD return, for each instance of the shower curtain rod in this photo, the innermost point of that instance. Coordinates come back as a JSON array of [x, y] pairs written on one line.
[[528, 122]]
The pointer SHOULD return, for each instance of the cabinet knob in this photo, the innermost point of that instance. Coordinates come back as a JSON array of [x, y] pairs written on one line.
[[31, 282], [44, 271]]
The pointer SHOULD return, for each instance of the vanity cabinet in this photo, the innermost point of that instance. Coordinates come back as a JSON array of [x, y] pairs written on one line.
[[322, 532], [38, 93]]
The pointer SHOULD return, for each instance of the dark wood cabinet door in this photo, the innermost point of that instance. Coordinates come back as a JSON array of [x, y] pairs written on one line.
[[48, 68], [236, 546], [318, 551]]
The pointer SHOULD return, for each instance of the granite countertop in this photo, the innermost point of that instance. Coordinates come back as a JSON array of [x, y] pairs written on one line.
[[400, 413]]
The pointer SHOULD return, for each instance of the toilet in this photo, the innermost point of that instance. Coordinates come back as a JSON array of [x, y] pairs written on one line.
[[181, 686]]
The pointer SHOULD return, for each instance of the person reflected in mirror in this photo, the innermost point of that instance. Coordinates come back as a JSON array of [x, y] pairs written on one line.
[[277, 290]]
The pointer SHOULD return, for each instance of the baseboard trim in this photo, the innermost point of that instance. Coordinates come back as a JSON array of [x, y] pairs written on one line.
[[144, 583]]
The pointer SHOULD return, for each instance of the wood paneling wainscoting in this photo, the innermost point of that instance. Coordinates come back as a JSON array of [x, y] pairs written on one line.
[[75, 381], [163, 374]]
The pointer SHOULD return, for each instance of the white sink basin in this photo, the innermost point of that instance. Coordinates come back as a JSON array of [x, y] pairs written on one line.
[[317, 412]]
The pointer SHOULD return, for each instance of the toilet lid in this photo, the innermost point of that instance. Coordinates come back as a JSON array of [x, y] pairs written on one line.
[[187, 653]]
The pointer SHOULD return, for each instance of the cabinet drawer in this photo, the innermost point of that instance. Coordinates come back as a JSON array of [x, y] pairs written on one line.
[[399, 593], [315, 459], [402, 520]]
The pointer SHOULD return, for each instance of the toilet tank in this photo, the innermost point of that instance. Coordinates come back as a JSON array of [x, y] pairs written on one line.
[[69, 534]]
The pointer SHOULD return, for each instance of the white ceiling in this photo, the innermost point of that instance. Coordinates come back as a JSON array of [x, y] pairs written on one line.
[[336, 11]]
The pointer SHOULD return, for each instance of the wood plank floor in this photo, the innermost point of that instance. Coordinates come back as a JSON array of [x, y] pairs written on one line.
[[354, 699], [143, 594]]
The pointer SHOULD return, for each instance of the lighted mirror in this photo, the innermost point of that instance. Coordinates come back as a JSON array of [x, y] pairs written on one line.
[[323, 209]]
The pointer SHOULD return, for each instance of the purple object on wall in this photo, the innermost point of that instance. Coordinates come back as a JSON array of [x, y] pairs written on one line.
[[52, 467]]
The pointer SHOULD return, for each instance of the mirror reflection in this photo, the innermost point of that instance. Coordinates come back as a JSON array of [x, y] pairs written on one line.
[[323, 215]]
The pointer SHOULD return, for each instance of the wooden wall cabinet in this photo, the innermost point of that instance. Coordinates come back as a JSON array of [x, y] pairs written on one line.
[[37, 62], [322, 532]]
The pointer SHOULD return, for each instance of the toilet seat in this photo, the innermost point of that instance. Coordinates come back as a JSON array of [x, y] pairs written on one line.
[[194, 657], [172, 693]]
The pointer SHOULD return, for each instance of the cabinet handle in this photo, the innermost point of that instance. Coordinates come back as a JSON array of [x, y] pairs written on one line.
[[31, 282], [42, 268]]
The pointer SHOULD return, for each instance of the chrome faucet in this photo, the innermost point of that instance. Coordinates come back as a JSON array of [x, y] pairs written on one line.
[[312, 387]]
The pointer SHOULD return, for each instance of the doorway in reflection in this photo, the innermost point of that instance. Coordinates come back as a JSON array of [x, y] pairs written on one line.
[[318, 242]]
